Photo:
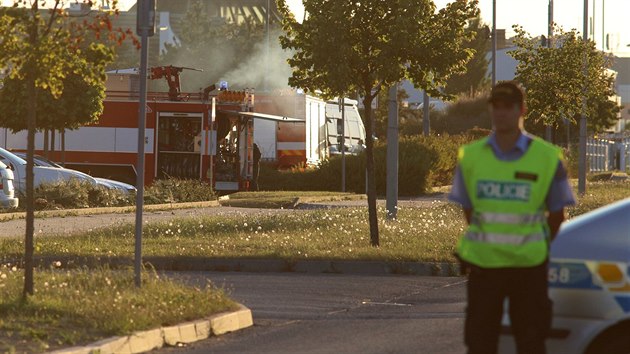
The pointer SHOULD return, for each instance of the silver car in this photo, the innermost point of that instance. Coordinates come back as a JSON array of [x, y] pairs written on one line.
[[105, 182], [7, 190]]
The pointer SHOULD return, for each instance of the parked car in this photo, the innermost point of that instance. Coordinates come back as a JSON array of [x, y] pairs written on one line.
[[7, 195], [105, 182], [112, 184], [41, 173], [589, 284]]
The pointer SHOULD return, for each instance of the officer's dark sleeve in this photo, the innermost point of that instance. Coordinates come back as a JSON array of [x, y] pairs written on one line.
[[560, 194]]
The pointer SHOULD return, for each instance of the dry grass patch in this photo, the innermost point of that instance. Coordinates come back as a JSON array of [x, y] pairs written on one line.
[[73, 307]]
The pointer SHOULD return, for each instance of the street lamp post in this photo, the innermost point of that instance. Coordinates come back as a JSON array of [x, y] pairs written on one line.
[[145, 23], [494, 42], [548, 131], [623, 129], [582, 158]]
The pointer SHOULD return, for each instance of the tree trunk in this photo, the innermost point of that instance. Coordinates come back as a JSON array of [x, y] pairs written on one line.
[[371, 176], [63, 147], [31, 124], [46, 136], [52, 144]]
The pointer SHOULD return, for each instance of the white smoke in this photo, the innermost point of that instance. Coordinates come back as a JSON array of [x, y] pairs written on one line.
[[266, 67]]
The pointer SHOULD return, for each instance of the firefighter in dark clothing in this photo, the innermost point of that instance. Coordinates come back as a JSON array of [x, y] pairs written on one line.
[[256, 172], [513, 188]]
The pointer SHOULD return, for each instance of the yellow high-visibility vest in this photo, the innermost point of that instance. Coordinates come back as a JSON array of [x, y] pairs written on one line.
[[508, 224]]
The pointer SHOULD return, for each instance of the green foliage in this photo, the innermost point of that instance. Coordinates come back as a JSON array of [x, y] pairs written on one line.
[[475, 77], [74, 194], [424, 162], [556, 81], [463, 115], [80, 103], [174, 190], [355, 47], [364, 46]]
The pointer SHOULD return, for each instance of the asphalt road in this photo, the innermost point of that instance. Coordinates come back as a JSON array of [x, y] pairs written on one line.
[[72, 224], [335, 313]]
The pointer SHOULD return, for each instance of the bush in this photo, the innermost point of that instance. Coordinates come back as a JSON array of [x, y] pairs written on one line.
[[463, 115], [423, 162], [74, 193], [174, 190]]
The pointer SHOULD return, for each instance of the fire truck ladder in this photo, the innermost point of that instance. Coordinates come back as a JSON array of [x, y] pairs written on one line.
[[171, 74]]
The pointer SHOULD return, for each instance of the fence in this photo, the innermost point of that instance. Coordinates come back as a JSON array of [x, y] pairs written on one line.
[[607, 155]]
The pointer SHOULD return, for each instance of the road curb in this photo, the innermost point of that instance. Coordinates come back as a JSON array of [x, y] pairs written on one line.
[[384, 268], [191, 264], [183, 333]]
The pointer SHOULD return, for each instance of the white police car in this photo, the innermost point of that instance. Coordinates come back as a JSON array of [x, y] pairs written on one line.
[[589, 284]]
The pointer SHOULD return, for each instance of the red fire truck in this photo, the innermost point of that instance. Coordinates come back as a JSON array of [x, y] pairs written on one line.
[[205, 135]]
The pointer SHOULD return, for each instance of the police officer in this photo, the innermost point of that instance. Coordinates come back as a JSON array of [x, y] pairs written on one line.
[[513, 188]]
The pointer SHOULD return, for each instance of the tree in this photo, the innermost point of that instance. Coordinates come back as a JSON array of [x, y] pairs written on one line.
[[463, 115], [364, 46], [475, 78], [79, 104], [556, 82], [42, 49]]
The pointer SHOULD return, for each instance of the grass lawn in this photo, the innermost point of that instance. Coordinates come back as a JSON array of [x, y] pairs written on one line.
[[427, 234], [81, 306], [599, 194], [78, 306], [419, 234]]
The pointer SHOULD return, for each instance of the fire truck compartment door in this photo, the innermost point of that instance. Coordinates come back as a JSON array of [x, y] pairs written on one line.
[[265, 116], [212, 142]]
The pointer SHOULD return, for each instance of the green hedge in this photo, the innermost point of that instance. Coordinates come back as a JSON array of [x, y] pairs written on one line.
[[74, 194], [423, 162]]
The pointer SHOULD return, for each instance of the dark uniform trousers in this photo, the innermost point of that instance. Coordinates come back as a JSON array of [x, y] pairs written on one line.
[[529, 308]]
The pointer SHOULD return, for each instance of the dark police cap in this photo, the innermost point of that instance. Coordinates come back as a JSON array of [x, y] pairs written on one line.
[[507, 92]]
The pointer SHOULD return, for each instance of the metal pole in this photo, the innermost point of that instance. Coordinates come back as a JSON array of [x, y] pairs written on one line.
[[392, 154], [144, 29], [582, 159], [426, 119], [603, 26], [549, 45], [494, 42], [268, 42], [342, 103]]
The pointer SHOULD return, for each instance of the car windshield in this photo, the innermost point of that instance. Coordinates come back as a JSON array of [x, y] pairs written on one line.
[[39, 160], [16, 158]]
